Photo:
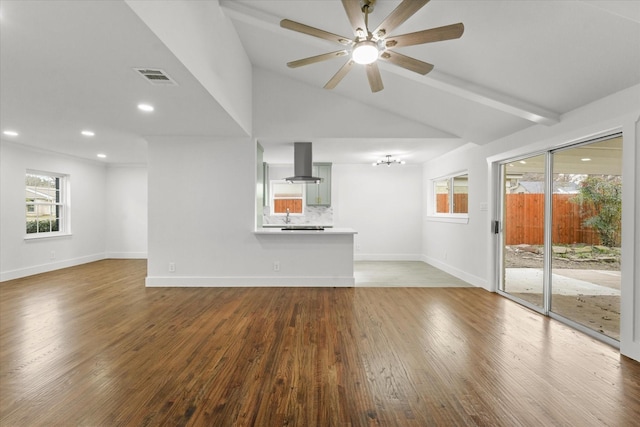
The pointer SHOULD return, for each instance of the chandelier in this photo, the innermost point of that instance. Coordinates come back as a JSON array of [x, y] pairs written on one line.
[[388, 161]]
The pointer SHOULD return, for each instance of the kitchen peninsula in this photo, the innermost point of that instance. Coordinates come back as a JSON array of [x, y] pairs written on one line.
[[306, 230], [304, 257]]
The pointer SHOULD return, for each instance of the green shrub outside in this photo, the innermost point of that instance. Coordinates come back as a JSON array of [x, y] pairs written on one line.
[[42, 226]]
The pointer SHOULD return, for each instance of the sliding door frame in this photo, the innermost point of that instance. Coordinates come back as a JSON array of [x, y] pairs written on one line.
[[500, 208], [500, 198], [549, 292]]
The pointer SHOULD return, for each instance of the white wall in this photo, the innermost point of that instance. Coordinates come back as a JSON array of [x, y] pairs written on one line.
[[384, 204], [205, 227], [458, 248], [20, 257], [287, 109], [200, 45], [470, 251], [108, 212], [126, 222]]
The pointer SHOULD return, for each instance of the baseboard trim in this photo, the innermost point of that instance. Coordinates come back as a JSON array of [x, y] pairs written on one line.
[[45, 268], [126, 255], [238, 281], [456, 272], [387, 257]]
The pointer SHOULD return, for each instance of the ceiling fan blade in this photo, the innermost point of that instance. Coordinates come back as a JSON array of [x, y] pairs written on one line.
[[337, 77], [317, 58], [448, 32], [355, 15], [373, 74], [305, 29], [398, 16], [407, 62]]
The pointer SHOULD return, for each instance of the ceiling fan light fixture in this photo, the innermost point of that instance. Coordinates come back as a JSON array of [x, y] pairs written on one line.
[[365, 52]]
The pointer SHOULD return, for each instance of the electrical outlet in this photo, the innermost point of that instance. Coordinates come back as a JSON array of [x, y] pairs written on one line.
[[276, 265], [358, 247], [172, 267], [52, 255]]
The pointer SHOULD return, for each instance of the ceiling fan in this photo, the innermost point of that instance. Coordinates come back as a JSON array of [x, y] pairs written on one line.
[[369, 46]]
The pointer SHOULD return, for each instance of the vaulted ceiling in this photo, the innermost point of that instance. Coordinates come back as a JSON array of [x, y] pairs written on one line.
[[68, 65]]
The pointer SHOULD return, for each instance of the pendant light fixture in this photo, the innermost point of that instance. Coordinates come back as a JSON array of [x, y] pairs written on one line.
[[388, 161]]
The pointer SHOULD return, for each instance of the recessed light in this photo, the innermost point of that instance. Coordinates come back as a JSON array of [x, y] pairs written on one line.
[[586, 159], [145, 107], [10, 133], [523, 162], [102, 156], [88, 133]]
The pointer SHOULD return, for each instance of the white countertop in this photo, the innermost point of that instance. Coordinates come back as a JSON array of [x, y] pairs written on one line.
[[285, 225], [279, 231]]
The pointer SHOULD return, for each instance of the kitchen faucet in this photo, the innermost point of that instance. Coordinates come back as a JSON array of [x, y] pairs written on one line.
[[287, 220]]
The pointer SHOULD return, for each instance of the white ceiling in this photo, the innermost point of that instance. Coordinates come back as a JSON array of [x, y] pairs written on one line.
[[68, 65]]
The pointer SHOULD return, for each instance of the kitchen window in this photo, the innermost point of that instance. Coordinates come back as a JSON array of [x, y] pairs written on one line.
[[285, 195], [46, 210], [451, 196]]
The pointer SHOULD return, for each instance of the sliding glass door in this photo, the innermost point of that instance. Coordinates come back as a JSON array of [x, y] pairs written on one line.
[[586, 226], [523, 182], [560, 232]]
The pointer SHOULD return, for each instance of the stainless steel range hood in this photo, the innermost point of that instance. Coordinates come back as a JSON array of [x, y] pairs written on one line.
[[302, 165]]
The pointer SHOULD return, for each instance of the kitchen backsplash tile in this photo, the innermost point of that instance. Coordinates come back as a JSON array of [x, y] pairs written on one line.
[[320, 215]]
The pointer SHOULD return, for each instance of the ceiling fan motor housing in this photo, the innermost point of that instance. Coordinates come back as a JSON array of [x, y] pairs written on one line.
[[367, 5]]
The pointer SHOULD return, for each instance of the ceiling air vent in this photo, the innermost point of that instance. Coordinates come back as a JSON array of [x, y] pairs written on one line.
[[156, 77]]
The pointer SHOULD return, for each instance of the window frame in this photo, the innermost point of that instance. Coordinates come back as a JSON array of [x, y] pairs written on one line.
[[273, 198], [448, 216], [61, 205]]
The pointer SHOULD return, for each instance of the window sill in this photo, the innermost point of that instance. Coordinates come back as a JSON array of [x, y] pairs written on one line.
[[39, 236], [455, 219]]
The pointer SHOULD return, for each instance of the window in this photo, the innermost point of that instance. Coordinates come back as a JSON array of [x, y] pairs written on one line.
[[451, 195], [46, 212], [285, 195]]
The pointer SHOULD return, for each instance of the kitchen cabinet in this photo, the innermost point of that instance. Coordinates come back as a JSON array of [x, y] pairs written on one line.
[[320, 194]]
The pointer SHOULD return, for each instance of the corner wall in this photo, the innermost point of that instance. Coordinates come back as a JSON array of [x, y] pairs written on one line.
[[20, 257]]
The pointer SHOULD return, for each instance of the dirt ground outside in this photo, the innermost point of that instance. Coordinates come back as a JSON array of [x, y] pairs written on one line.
[[592, 264]]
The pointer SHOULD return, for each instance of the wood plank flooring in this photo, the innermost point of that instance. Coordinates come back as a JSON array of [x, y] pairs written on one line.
[[91, 346]]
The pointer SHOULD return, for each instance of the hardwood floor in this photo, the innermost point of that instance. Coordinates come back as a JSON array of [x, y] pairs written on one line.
[[91, 346]]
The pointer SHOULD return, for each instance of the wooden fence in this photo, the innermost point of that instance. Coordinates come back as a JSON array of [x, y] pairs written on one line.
[[524, 222], [281, 205], [460, 203]]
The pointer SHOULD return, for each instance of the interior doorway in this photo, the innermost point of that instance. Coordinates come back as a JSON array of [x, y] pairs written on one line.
[[560, 234]]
